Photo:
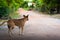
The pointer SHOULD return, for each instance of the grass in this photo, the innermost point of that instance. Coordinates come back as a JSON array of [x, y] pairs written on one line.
[[26, 8], [14, 15], [51, 15], [56, 16]]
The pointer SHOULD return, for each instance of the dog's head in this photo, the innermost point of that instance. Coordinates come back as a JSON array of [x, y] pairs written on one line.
[[26, 17]]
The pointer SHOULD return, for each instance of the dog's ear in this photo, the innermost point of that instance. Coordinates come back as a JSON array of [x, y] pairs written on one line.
[[23, 15]]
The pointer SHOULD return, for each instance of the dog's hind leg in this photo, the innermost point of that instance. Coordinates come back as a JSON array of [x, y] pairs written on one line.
[[10, 30]]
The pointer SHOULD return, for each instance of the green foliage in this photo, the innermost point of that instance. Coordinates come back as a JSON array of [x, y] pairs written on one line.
[[40, 5], [3, 3], [9, 6], [4, 11], [46, 5], [25, 4], [14, 15]]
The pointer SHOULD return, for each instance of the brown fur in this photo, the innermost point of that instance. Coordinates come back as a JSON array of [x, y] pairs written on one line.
[[16, 22]]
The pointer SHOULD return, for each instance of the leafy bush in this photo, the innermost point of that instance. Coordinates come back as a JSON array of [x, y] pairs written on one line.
[[14, 15], [46, 5], [9, 6], [4, 11]]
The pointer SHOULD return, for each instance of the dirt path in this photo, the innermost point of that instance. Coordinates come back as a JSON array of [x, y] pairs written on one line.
[[39, 27]]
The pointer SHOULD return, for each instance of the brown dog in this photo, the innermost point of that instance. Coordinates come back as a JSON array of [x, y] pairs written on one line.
[[12, 23]]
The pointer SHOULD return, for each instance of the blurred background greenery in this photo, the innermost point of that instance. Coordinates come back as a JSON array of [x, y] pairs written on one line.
[[8, 8]]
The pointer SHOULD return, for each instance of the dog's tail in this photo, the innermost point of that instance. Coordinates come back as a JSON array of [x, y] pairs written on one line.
[[3, 23]]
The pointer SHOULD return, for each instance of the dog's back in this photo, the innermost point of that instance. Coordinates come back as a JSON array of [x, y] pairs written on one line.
[[18, 22]]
